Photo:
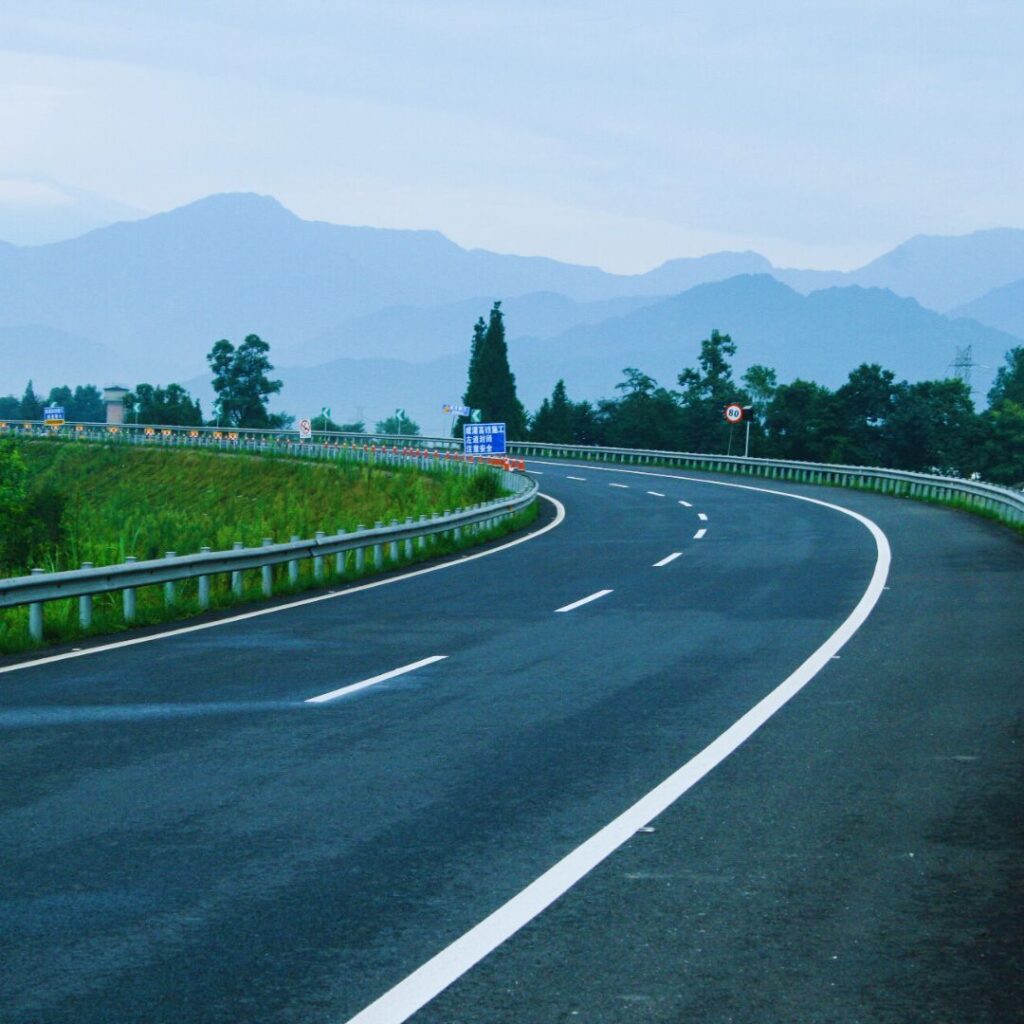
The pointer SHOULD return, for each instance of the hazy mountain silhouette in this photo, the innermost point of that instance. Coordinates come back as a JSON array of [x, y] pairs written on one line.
[[1002, 308], [159, 291], [821, 337]]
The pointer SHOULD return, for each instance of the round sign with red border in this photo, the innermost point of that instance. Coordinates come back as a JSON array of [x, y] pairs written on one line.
[[734, 412]]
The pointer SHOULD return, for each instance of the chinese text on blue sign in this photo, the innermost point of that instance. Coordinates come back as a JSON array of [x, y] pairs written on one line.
[[483, 438]]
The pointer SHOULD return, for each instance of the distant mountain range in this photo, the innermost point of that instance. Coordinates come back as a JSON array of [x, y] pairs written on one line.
[[146, 299], [821, 336]]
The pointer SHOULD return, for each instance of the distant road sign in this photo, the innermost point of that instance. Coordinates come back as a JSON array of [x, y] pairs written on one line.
[[305, 430], [456, 410], [54, 415], [483, 438], [734, 412]]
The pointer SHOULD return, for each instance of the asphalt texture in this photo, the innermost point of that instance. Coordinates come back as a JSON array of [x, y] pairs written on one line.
[[183, 838]]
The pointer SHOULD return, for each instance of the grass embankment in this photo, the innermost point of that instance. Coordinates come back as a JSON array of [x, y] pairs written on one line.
[[108, 502]]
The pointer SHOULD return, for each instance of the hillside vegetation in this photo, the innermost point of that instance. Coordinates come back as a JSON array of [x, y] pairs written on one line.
[[100, 503]]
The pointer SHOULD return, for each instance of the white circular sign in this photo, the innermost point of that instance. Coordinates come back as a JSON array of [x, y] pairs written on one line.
[[734, 412], [305, 428]]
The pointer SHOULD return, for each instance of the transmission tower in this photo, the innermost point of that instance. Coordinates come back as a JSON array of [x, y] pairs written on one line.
[[963, 364]]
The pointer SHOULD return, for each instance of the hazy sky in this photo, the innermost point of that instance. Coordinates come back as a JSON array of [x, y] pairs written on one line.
[[620, 133]]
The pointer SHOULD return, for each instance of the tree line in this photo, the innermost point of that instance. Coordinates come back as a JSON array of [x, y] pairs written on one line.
[[872, 419]]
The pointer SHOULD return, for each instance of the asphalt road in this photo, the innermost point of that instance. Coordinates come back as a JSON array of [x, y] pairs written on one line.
[[184, 837]]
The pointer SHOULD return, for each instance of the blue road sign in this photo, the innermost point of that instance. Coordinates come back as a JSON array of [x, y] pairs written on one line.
[[53, 414], [483, 438]]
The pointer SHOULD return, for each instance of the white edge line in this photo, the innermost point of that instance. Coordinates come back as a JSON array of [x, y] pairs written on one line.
[[702, 516], [457, 560], [686, 504], [700, 533], [582, 601], [667, 559], [419, 988], [353, 687]]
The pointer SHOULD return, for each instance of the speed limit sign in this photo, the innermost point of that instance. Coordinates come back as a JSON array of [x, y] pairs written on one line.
[[734, 412]]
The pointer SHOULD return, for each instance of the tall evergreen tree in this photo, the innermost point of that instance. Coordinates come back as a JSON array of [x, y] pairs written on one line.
[[554, 419], [31, 407], [492, 385]]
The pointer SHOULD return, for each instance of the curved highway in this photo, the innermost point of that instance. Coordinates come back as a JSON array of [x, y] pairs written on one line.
[[530, 787]]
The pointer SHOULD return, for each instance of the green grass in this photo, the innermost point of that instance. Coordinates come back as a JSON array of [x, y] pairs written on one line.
[[123, 501]]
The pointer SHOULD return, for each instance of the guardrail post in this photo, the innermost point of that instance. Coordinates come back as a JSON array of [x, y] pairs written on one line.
[[237, 584], [85, 605], [359, 559], [35, 614], [169, 588], [408, 540], [393, 546], [128, 597], [293, 564], [268, 571], [318, 560], [457, 532], [339, 559], [421, 543], [378, 550], [204, 584]]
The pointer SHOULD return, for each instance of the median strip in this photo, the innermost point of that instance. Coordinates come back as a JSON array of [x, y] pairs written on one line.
[[582, 601], [324, 697]]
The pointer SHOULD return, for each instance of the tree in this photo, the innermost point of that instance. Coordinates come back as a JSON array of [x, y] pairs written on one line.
[[398, 423], [645, 416], [492, 385], [13, 491], [30, 408], [706, 390], [10, 408], [172, 406], [241, 383], [932, 425], [797, 421], [863, 407], [553, 421], [1009, 382], [88, 404]]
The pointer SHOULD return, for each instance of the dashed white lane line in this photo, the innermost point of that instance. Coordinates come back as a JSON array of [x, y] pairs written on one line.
[[700, 533], [625, 487], [656, 494], [324, 697], [702, 517], [417, 989], [685, 504], [575, 478], [667, 559], [582, 601]]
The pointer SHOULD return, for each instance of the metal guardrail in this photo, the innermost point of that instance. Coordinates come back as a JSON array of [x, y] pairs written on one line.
[[383, 544], [1004, 503]]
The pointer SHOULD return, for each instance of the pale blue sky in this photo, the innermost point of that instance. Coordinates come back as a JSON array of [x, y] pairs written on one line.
[[620, 134]]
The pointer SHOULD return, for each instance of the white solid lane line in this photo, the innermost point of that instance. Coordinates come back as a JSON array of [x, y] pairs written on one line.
[[685, 504], [656, 494], [399, 1003], [700, 533], [667, 559], [575, 478], [376, 679], [702, 517], [582, 601], [623, 486]]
